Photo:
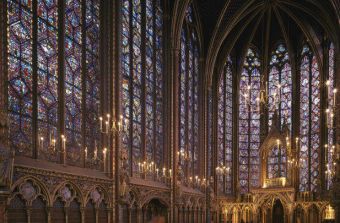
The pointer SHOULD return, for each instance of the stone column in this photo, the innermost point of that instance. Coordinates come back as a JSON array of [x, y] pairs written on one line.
[[82, 212], [139, 215]]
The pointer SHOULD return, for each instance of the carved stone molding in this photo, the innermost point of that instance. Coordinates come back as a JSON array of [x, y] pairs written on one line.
[[30, 183]]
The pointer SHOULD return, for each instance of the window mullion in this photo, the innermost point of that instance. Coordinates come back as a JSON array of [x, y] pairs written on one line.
[[35, 133], [143, 64], [130, 141]]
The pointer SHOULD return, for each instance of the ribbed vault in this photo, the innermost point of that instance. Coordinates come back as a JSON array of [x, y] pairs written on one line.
[[264, 23]]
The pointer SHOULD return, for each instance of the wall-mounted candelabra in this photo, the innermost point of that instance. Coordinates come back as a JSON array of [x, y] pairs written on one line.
[[197, 182], [109, 125], [150, 168], [222, 170]]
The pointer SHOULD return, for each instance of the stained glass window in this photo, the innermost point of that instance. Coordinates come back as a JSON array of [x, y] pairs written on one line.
[[73, 87], [48, 67], [20, 75], [142, 75], [309, 121], [330, 86], [92, 77], [210, 134], [277, 162], [188, 98], [249, 123], [225, 127], [280, 86]]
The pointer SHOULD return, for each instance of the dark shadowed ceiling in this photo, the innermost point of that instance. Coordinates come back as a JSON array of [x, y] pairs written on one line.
[[230, 26]]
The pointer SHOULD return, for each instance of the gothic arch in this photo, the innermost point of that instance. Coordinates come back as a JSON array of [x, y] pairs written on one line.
[[97, 194], [158, 196], [68, 191], [30, 193]]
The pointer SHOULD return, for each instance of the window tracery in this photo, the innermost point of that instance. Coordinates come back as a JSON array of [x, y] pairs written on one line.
[[225, 127], [142, 91], [249, 123]]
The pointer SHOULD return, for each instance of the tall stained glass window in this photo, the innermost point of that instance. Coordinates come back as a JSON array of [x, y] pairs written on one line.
[[20, 75], [331, 91], [249, 123], [188, 98], [92, 77], [225, 127], [81, 47], [73, 87], [142, 96], [48, 69], [309, 121], [210, 134], [280, 86]]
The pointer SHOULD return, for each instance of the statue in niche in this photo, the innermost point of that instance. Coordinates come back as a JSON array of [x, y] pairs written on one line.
[[124, 179]]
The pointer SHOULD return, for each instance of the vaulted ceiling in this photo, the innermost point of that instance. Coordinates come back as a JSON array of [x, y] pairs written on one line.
[[231, 26]]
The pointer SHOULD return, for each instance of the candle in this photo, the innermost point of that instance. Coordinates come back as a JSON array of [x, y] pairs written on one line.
[[332, 119], [327, 87], [139, 168], [106, 126], [53, 143], [119, 125], [95, 153], [101, 123], [41, 142], [63, 143], [258, 104], [108, 122], [157, 170], [85, 153], [164, 169], [170, 173], [104, 159], [334, 97]]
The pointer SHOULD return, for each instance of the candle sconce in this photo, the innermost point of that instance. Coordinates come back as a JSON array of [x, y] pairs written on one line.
[[149, 168], [108, 125], [96, 160], [196, 182]]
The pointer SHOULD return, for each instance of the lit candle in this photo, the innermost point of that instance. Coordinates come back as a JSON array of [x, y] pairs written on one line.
[[41, 142], [95, 153], [164, 169], [157, 170], [327, 87], [104, 158], [170, 173], [139, 167], [106, 126], [332, 119], [64, 143], [334, 97], [85, 153], [258, 104], [119, 126], [53, 143], [101, 123]]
